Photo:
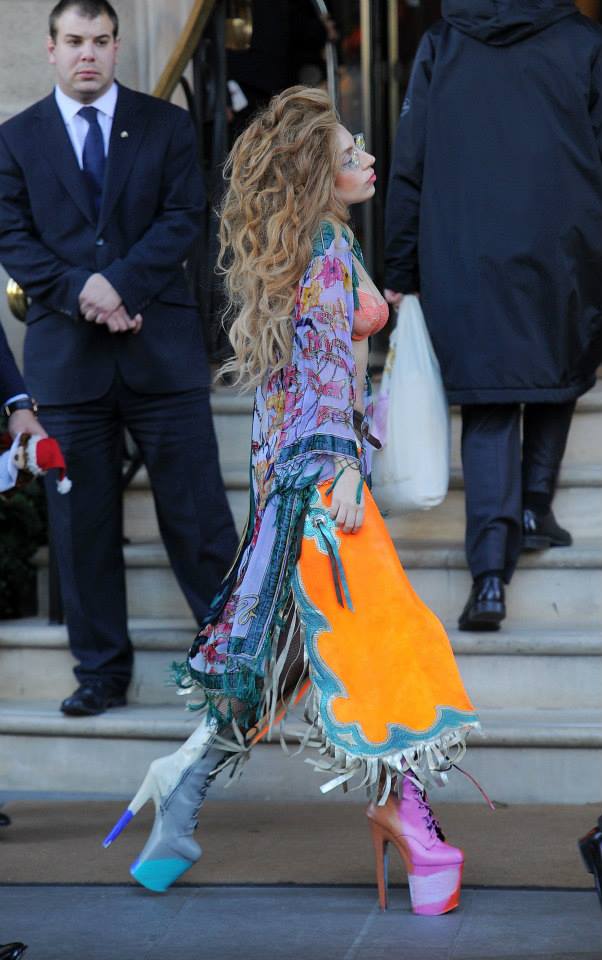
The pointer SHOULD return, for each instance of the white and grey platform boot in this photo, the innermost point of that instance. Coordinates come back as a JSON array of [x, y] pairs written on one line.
[[178, 786]]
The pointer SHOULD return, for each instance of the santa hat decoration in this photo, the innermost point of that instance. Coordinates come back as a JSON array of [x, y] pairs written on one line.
[[43, 454]]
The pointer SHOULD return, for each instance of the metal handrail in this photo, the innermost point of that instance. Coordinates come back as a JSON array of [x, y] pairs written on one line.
[[332, 63], [185, 48]]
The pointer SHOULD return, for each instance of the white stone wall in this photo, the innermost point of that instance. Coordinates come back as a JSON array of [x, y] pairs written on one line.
[[149, 31]]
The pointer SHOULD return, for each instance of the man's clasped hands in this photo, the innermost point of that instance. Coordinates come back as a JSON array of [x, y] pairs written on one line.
[[99, 302]]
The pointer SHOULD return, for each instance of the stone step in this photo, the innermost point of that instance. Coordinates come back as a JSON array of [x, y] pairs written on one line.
[[578, 505], [561, 586], [525, 756], [139, 516], [515, 668], [232, 418], [35, 661], [579, 508]]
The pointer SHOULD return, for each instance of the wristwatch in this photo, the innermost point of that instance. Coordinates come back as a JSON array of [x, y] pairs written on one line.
[[23, 403]]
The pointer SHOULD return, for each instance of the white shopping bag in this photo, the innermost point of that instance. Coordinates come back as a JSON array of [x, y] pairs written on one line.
[[411, 419]]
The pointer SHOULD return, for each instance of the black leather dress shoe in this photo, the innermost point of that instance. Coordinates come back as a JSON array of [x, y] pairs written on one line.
[[92, 697], [4, 820], [485, 608], [591, 850], [539, 532], [12, 951]]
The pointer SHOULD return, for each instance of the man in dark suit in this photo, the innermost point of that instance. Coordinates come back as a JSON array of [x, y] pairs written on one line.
[[100, 201]]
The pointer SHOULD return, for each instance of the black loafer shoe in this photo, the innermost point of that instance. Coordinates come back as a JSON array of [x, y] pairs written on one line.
[[485, 608], [539, 532], [591, 850], [92, 697], [12, 951]]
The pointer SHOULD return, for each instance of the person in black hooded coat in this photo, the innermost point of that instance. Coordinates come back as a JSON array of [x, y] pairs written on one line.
[[494, 214]]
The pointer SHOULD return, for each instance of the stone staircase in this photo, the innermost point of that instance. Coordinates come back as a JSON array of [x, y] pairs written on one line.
[[537, 683]]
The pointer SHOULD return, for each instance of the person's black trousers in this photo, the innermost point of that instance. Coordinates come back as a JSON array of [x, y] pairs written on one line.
[[177, 441], [500, 472]]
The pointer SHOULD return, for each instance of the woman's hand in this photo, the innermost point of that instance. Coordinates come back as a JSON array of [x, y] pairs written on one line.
[[344, 509]]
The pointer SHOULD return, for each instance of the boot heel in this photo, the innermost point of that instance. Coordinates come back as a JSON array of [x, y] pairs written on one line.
[[148, 790], [381, 853], [435, 889]]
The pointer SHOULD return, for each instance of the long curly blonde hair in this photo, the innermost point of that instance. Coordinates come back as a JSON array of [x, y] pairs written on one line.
[[281, 184]]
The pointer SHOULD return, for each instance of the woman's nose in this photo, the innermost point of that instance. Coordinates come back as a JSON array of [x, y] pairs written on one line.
[[368, 160]]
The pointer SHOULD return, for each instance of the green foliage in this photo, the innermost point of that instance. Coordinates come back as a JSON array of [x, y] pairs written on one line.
[[23, 528]]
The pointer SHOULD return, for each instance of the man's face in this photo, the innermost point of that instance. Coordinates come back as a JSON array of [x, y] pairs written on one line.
[[84, 54]]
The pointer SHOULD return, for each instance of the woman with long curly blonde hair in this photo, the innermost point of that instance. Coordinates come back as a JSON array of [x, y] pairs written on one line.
[[316, 604], [278, 192]]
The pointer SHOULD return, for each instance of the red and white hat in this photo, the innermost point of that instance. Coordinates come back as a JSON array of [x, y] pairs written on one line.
[[44, 454]]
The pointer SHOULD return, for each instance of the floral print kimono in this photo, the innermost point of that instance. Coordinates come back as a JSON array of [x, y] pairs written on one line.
[[384, 692]]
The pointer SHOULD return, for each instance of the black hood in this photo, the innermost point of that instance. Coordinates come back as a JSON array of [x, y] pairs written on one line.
[[501, 22]]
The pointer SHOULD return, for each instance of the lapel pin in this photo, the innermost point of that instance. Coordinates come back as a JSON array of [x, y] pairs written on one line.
[[124, 134]]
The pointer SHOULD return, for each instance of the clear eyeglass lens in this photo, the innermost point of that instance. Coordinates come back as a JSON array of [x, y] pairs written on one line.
[[360, 146]]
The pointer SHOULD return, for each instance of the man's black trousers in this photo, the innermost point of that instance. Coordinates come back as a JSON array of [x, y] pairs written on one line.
[[175, 435], [500, 472]]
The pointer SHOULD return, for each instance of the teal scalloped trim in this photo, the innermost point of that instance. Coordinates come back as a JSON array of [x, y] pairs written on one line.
[[349, 736]]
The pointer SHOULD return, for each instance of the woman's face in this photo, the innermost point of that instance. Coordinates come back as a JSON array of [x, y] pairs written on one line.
[[355, 179]]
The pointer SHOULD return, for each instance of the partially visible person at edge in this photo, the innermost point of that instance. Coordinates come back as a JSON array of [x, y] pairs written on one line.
[[100, 203], [19, 408], [590, 847], [494, 214], [317, 603]]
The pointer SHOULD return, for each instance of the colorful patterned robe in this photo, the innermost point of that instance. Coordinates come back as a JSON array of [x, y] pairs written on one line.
[[303, 417], [385, 695]]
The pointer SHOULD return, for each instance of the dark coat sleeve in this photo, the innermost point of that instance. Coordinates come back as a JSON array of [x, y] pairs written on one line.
[[149, 264], [11, 381], [405, 183], [595, 103], [42, 274]]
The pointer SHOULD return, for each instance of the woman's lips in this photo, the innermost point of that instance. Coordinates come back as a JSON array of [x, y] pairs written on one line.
[[372, 178]]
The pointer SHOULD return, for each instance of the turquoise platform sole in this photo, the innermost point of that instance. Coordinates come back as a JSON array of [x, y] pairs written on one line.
[[158, 875]]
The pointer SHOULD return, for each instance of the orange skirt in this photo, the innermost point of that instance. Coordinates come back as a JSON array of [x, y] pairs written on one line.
[[386, 687]]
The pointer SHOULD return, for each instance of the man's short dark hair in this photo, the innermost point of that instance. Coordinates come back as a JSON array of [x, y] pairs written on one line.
[[86, 8]]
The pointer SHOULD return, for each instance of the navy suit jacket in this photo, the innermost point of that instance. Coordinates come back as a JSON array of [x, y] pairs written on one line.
[[11, 381], [51, 242]]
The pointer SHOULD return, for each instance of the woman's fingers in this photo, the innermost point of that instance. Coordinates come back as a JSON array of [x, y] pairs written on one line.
[[359, 519], [341, 517], [358, 516], [348, 517]]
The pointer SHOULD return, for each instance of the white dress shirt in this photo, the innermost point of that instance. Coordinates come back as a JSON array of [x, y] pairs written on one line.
[[77, 127]]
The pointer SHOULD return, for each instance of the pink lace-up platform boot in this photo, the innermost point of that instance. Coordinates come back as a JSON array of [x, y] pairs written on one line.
[[434, 866]]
